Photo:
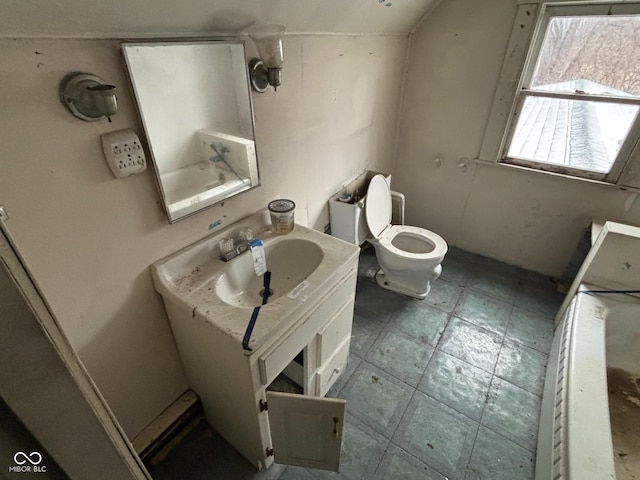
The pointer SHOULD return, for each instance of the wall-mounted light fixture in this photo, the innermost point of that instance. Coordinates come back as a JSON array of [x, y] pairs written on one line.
[[267, 70], [88, 97]]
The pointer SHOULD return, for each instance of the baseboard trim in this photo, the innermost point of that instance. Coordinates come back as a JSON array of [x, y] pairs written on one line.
[[167, 424]]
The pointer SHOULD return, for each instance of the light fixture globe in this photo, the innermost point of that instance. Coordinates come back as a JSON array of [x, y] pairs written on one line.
[[268, 40]]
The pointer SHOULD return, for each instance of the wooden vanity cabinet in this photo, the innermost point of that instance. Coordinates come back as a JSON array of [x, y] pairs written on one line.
[[237, 387], [306, 429]]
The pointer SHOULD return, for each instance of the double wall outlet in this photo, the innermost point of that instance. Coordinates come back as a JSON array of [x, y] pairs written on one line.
[[124, 153]]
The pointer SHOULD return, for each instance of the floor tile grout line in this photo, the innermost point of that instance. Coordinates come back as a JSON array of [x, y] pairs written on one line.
[[395, 375], [390, 326], [493, 297], [493, 373], [521, 388], [384, 452], [523, 344], [400, 415], [416, 388], [509, 323], [486, 330], [436, 348], [532, 452], [473, 446], [386, 329], [502, 333], [525, 308], [484, 408], [448, 406], [475, 422], [416, 458], [404, 412]]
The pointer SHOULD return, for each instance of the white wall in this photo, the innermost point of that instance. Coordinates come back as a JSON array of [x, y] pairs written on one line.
[[523, 218], [88, 239]]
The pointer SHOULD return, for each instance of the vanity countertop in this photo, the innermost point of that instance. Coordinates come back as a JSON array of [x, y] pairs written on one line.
[[191, 278]]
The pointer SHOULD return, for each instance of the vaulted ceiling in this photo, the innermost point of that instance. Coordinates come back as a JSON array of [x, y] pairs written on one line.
[[124, 18]]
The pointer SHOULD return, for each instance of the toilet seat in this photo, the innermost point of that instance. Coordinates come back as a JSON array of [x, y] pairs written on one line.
[[377, 206], [378, 216], [438, 246]]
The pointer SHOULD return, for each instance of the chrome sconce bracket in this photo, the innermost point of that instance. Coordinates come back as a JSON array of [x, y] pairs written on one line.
[[259, 75], [88, 97]]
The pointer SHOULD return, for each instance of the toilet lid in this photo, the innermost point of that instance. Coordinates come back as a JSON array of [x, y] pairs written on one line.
[[377, 207]]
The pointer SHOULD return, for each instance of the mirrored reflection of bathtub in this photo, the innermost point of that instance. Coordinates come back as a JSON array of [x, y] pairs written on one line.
[[184, 192], [590, 419]]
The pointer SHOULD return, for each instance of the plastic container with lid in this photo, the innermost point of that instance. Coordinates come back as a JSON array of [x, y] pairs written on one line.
[[282, 217]]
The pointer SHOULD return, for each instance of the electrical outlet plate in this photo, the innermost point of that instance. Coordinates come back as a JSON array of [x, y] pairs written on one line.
[[124, 153]]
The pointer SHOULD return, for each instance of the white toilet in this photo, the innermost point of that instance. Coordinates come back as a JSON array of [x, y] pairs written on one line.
[[409, 257]]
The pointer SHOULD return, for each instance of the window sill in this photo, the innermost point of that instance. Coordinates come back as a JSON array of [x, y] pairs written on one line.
[[562, 176]]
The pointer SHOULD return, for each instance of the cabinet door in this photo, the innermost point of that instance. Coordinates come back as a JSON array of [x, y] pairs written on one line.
[[306, 431]]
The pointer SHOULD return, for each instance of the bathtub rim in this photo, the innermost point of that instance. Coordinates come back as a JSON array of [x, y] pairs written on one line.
[[580, 438]]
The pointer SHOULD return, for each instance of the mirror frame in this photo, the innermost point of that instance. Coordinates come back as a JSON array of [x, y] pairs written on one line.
[[204, 202]]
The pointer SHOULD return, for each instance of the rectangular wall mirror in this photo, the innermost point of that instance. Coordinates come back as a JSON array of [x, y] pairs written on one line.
[[195, 105]]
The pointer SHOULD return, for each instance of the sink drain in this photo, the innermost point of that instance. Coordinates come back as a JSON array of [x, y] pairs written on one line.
[[269, 293]]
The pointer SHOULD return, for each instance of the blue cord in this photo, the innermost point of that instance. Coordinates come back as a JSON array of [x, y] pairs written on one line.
[[609, 291], [254, 315]]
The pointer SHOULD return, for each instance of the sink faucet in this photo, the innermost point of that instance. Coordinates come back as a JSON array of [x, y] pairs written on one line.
[[230, 248]]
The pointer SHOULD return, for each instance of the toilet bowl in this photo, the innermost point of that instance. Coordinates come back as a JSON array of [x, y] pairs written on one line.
[[409, 257]]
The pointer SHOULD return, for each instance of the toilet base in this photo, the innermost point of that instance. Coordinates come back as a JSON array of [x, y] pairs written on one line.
[[387, 285]]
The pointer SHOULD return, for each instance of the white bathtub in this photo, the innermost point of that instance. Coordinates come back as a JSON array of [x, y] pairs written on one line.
[[578, 438]]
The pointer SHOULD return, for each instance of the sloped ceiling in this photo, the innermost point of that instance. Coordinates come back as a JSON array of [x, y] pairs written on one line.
[[123, 18]]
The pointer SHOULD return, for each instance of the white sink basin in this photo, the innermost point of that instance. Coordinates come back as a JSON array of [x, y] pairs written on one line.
[[290, 261], [196, 283]]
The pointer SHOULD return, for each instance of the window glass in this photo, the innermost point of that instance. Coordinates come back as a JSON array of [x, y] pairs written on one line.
[[580, 102], [579, 134], [591, 54]]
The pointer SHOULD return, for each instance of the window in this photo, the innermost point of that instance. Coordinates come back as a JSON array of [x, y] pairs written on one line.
[[576, 110]]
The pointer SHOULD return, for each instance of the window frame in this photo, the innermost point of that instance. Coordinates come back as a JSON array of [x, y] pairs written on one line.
[[528, 38]]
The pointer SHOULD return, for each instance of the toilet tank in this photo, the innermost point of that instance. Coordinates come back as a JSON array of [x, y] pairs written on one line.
[[347, 217]]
